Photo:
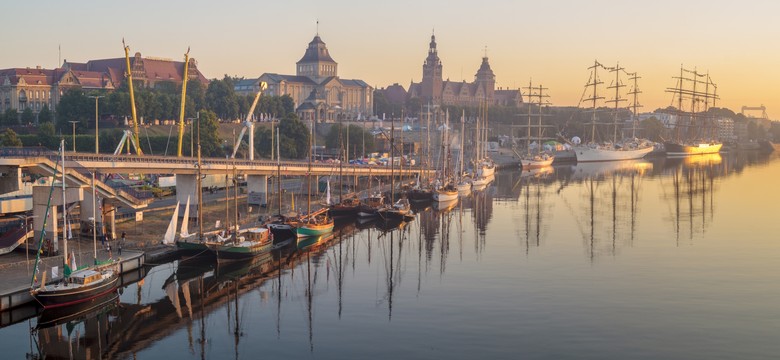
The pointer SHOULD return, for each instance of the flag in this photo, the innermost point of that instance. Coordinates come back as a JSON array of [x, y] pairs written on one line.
[[216, 225]]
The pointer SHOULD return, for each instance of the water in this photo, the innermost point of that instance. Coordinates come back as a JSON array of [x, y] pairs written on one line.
[[643, 260]]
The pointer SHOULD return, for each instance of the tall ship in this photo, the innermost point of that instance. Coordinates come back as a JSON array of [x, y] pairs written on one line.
[[695, 131], [534, 155], [625, 149]]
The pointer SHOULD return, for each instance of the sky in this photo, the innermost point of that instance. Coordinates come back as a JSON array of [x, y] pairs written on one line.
[[384, 42]]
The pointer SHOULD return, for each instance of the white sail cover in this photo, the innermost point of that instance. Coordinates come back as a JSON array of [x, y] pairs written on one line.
[[186, 220], [171, 232], [327, 194]]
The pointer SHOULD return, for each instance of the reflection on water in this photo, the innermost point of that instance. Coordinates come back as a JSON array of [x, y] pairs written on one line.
[[508, 270]]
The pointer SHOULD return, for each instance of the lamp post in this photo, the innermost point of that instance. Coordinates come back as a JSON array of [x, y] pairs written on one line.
[[26, 246], [74, 134], [97, 148]]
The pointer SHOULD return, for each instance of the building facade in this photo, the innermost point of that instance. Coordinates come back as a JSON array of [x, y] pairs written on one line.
[[32, 88], [434, 89], [147, 71], [318, 92]]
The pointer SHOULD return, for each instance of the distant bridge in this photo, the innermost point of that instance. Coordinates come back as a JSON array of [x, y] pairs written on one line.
[[106, 163]]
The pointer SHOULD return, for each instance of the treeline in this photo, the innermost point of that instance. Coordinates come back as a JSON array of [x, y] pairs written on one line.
[[163, 102]]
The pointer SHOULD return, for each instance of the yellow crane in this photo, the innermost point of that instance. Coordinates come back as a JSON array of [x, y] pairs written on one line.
[[185, 75], [129, 75]]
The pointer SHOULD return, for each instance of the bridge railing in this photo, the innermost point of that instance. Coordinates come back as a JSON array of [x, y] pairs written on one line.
[[12, 152]]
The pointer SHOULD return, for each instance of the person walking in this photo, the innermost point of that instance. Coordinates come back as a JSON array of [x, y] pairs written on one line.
[[121, 243]]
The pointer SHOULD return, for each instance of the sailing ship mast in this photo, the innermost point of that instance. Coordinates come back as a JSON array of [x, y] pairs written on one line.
[[594, 98], [617, 99], [635, 104]]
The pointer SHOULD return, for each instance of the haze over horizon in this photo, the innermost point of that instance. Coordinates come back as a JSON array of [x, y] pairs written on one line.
[[383, 43]]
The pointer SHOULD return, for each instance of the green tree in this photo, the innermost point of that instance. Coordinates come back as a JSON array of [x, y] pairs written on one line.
[[28, 117], [75, 106], [221, 98], [10, 117], [44, 115], [210, 145], [652, 128], [337, 138], [47, 136], [9, 138], [293, 142]]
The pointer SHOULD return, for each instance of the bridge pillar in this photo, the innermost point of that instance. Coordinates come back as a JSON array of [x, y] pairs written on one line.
[[257, 189], [187, 187], [109, 218], [87, 206], [54, 219]]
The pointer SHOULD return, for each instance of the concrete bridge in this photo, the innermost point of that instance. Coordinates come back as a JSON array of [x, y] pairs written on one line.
[[79, 168]]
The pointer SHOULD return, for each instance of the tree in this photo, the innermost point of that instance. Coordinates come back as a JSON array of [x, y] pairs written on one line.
[[652, 128], [28, 117], [10, 117], [44, 115], [221, 98], [293, 142], [356, 137], [74, 106], [47, 136], [210, 145], [9, 138]]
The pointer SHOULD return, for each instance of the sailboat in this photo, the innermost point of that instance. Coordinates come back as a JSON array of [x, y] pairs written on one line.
[[281, 228], [245, 243], [345, 208], [694, 130], [447, 191], [464, 181], [77, 285], [535, 158], [614, 150], [188, 243], [401, 209], [313, 223]]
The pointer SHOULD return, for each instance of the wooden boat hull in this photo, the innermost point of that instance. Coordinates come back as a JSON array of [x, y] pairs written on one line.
[[55, 316], [314, 230], [419, 195], [236, 252], [536, 163], [445, 196], [191, 248], [60, 298]]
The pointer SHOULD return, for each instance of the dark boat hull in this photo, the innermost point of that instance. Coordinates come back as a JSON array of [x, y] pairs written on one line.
[[55, 316], [68, 297], [420, 195]]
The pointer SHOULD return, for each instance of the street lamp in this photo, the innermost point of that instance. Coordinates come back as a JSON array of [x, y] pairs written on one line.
[[74, 134], [26, 246], [96, 121]]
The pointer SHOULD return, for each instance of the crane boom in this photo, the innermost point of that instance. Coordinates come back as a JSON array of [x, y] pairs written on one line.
[[132, 96], [183, 98], [248, 122]]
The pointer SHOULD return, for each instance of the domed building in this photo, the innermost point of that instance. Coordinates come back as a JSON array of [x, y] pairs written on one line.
[[317, 90]]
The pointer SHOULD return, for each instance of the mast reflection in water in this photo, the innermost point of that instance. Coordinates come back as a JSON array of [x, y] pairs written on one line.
[[605, 260]]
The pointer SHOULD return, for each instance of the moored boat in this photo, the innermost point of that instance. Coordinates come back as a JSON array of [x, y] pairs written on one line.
[[700, 148]]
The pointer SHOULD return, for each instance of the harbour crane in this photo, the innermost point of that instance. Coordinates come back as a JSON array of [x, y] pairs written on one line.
[[129, 75], [184, 77], [250, 125]]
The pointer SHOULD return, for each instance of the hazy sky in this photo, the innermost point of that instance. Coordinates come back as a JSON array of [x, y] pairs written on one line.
[[383, 42]]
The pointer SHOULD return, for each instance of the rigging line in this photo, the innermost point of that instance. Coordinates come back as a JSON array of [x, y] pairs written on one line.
[[146, 130], [169, 140]]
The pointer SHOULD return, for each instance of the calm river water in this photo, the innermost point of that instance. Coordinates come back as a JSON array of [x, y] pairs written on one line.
[[661, 259]]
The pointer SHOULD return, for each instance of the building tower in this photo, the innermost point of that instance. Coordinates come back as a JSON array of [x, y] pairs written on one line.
[[486, 80], [316, 63], [432, 77]]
